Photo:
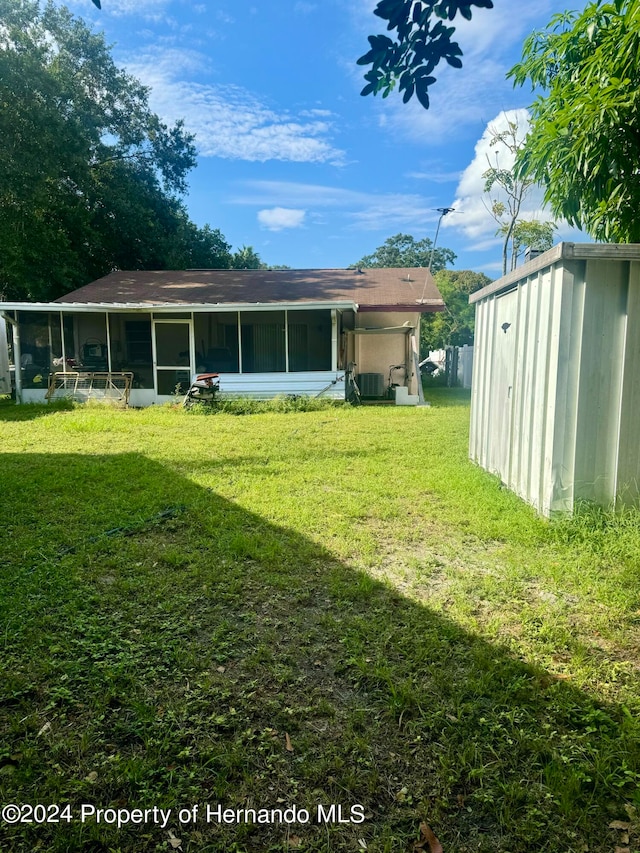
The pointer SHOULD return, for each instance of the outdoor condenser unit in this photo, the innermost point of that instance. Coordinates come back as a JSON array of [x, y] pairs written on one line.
[[371, 384]]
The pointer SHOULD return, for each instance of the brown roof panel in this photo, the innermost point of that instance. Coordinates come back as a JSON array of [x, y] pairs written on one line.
[[383, 289]]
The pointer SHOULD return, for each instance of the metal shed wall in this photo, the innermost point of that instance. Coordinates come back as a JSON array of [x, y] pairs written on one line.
[[556, 384]]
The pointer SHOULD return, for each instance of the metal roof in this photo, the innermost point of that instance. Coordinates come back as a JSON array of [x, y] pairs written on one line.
[[561, 251]]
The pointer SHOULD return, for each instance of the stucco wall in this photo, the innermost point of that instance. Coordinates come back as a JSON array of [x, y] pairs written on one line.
[[375, 353]]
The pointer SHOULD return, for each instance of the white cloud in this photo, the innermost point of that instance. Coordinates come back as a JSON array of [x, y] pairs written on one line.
[[362, 211], [279, 218], [304, 8], [152, 10], [471, 202], [436, 176], [227, 120], [472, 215]]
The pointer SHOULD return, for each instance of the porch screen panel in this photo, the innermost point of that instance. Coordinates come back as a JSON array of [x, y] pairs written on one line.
[[91, 331], [309, 340], [263, 342], [298, 349], [131, 351], [216, 337], [36, 347]]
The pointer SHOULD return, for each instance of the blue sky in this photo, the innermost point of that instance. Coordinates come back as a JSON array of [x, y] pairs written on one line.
[[292, 160]]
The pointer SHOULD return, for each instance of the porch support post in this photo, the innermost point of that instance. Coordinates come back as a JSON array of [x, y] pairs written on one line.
[[239, 344], [17, 354], [62, 343], [334, 340], [286, 341], [193, 367], [106, 314]]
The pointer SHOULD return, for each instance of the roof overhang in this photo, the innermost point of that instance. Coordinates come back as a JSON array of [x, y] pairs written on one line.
[[420, 306], [173, 307]]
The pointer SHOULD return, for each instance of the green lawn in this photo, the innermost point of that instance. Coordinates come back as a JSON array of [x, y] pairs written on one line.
[[304, 609]]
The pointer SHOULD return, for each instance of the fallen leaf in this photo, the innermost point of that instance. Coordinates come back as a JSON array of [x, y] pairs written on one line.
[[46, 728], [295, 841], [91, 777], [289, 745], [622, 850], [630, 810], [221, 669], [619, 824], [427, 837], [173, 841], [624, 838]]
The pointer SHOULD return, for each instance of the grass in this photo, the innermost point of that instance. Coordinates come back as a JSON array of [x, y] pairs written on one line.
[[304, 608]]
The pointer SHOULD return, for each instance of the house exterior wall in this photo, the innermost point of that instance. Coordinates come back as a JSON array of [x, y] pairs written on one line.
[[556, 383], [376, 353], [104, 338], [312, 339]]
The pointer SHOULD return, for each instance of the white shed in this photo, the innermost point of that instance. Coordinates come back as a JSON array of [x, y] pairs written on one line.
[[555, 401]]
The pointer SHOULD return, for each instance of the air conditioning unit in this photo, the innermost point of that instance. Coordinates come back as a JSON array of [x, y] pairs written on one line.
[[371, 384]]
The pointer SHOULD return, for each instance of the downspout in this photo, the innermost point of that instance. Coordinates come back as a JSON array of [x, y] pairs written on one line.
[[17, 355]]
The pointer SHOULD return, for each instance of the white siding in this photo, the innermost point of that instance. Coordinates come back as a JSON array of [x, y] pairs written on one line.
[[262, 386], [628, 473]]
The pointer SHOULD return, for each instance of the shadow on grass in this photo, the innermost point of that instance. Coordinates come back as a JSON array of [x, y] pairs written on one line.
[[11, 411], [202, 655], [441, 396]]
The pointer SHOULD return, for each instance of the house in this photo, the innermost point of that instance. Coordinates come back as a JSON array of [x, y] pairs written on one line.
[[555, 399], [265, 332]]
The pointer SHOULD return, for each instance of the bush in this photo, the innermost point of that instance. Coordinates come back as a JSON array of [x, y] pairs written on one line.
[[281, 405]]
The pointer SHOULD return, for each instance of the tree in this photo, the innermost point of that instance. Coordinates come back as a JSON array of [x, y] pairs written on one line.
[[423, 40], [201, 248], [455, 326], [403, 250], [90, 175], [511, 189], [530, 233], [246, 258], [584, 141]]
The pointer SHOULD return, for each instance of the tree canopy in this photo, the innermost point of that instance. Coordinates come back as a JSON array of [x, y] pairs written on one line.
[[456, 325], [423, 39], [584, 141], [91, 178], [403, 250]]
